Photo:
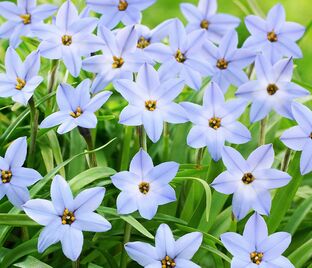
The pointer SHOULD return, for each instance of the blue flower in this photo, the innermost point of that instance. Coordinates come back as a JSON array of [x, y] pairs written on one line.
[[76, 107], [150, 101], [255, 248], [299, 138], [272, 89], [145, 187], [216, 122], [69, 38], [274, 37], [167, 252], [21, 78], [66, 217], [250, 180], [119, 60], [228, 61], [14, 177], [114, 11], [204, 17], [22, 18]]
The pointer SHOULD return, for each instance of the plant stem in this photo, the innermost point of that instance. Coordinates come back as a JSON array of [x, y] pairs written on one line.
[[25, 233], [286, 160], [142, 137], [262, 130], [34, 114], [199, 157], [52, 79], [127, 235], [75, 264], [126, 148], [166, 142], [86, 134]]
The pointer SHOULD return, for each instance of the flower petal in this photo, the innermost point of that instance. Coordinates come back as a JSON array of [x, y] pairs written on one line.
[[226, 183], [153, 124], [187, 245], [282, 261], [164, 241], [72, 241], [208, 7], [276, 17], [89, 199], [126, 203], [261, 158], [54, 119], [236, 133], [295, 138], [24, 177], [190, 12], [87, 120], [306, 159], [61, 195], [90, 222], [15, 155], [143, 253], [237, 245], [197, 137], [163, 173], [234, 161], [141, 163], [303, 116], [72, 60], [97, 101], [18, 196], [255, 230], [66, 15], [50, 235], [148, 78]]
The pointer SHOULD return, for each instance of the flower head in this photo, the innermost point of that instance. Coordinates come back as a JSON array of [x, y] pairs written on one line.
[[150, 101], [204, 17], [272, 89], [15, 178], [216, 122], [167, 252], [250, 180], [255, 248], [22, 18], [66, 217], [274, 37], [145, 187], [21, 78], [76, 107]]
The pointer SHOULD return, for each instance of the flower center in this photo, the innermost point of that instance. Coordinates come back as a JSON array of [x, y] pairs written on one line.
[[118, 62], [179, 56], [248, 178], [222, 64], [68, 217], [67, 40], [272, 37], [271, 89], [256, 257], [144, 187], [6, 176], [143, 43], [150, 105], [215, 122], [204, 24], [122, 6], [310, 135], [20, 83], [167, 262], [77, 113], [26, 18]]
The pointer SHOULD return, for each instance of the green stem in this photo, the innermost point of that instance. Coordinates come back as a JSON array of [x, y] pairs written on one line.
[[127, 235], [142, 137], [25, 233], [199, 157], [286, 160], [263, 124], [34, 114], [166, 142], [52, 79], [76, 264], [86, 134], [126, 148]]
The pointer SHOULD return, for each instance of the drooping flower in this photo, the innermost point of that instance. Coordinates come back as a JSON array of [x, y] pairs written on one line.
[[185, 59], [167, 252], [299, 138], [228, 61], [114, 11], [216, 122], [272, 89], [22, 18], [66, 217], [255, 248], [204, 17], [69, 38], [274, 37], [76, 107], [145, 186], [21, 78], [250, 180], [119, 60], [150, 101], [14, 177]]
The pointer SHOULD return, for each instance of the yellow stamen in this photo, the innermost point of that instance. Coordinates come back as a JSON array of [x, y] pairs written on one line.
[[123, 5], [167, 262], [143, 43], [248, 178], [144, 187], [20, 83], [68, 217], [256, 257], [272, 37], [150, 105], [222, 64], [77, 113], [215, 122], [118, 62], [180, 57], [204, 24], [67, 40], [26, 18], [6, 176], [271, 89]]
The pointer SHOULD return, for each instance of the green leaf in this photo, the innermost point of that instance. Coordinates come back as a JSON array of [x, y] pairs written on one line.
[[301, 255], [16, 220], [32, 262]]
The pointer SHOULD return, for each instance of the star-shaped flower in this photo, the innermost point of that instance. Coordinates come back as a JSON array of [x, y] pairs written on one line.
[[76, 107], [216, 122], [299, 138], [228, 61], [21, 78], [204, 17], [145, 187], [119, 60], [14, 177], [250, 180], [69, 38], [272, 89], [66, 217], [274, 37], [150, 101], [255, 248], [114, 11], [22, 18], [167, 252]]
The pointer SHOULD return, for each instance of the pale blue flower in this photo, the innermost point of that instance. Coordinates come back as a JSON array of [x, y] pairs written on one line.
[[66, 217], [150, 101], [21, 78], [167, 252], [250, 180], [216, 122], [76, 107], [14, 178], [255, 248]]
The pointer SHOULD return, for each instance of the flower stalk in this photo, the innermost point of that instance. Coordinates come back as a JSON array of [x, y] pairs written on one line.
[[263, 125], [166, 142], [34, 115], [86, 134]]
